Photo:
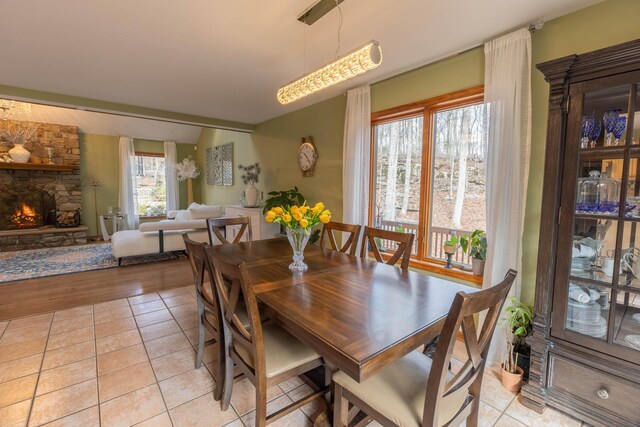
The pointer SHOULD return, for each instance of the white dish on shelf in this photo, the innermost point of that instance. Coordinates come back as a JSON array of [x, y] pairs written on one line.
[[633, 341], [636, 317]]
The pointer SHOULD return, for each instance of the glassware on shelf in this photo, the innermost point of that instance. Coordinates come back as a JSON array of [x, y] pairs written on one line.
[[618, 129], [609, 119], [588, 123], [597, 194], [595, 133]]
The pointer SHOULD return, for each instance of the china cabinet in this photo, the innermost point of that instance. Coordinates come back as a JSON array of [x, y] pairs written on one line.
[[585, 356]]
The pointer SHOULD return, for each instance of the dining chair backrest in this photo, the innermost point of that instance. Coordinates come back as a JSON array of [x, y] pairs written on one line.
[[215, 224], [403, 251], [442, 386], [351, 243], [201, 269], [232, 286]]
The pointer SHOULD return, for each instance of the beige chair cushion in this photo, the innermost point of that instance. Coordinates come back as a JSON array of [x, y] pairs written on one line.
[[283, 352], [398, 392]]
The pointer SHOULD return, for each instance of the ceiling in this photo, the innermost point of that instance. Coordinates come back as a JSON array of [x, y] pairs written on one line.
[[227, 59], [110, 124]]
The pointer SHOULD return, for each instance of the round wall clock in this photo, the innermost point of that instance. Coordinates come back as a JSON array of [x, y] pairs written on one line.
[[307, 156]]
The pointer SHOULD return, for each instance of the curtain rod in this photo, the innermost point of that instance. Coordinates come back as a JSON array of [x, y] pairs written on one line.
[[533, 28]]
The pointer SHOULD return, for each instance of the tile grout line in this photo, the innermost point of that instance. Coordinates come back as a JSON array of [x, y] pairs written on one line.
[[95, 349], [44, 351], [149, 360]]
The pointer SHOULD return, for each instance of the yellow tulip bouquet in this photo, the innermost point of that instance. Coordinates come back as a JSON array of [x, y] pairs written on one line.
[[298, 220]]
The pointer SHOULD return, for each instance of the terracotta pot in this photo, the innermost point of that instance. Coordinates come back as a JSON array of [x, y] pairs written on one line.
[[511, 382], [477, 265]]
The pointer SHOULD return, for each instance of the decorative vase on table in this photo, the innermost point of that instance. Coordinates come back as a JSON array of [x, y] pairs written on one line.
[[298, 238], [19, 154], [298, 220], [251, 195]]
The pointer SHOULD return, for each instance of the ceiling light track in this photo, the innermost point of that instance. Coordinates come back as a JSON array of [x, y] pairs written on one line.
[[318, 10]]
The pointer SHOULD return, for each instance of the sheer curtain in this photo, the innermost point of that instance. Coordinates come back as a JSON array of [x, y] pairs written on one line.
[[171, 179], [508, 92], [127, 199], [356, 156]]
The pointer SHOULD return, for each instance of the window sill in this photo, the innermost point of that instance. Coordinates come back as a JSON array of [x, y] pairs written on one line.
[[434, 267], [153, 217]]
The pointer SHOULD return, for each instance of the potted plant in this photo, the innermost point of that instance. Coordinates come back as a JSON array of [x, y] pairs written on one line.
[[186, 170], [250, 179], [451, 245], [475, 244], [519, 325]]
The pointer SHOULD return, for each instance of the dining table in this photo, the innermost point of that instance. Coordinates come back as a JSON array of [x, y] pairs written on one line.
[[358, 314]]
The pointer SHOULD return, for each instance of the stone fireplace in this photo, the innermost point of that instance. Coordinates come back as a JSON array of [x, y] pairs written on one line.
[[41, 203]]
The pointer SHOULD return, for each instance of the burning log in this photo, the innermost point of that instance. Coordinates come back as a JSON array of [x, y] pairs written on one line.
[[25, 217]]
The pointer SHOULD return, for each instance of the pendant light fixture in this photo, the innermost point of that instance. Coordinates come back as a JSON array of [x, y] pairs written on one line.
[[354, 63]]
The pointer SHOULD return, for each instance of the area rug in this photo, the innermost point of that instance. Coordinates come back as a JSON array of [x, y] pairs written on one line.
[[33, 263]]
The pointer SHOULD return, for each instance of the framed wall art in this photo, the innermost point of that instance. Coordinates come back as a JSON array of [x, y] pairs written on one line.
[[220, 164]]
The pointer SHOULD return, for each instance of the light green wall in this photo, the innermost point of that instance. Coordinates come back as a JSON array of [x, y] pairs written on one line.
[[99, 160], [274, 145], [459, 72], [243, 154]]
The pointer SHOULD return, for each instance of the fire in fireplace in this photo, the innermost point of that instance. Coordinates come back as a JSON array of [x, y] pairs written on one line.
[[26, 217]]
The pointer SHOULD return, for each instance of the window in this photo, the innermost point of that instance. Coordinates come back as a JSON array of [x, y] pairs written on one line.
[[428, 171], [150, 189]]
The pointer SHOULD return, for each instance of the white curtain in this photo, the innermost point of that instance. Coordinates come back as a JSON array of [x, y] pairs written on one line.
[[356, 156], [171, 179], [127, 199], [507, 90]]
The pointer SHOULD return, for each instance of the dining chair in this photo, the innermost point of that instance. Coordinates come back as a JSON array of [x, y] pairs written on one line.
[[416, 391], [404, 240], [264, 352], [214, 225], [209, 315], [350, 245]]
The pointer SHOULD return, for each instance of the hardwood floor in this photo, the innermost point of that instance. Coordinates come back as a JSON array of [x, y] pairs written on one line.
[[33, 296]]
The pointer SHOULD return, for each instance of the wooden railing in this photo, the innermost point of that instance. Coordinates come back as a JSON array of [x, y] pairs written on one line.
[[439, 235]]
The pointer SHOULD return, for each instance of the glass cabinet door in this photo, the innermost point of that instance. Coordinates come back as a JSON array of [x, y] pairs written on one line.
[[597, 288]]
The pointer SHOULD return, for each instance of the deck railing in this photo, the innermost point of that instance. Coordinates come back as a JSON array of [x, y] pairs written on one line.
[[435, 249]]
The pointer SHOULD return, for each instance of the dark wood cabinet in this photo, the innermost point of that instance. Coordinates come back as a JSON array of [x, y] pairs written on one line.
[[585, 348]]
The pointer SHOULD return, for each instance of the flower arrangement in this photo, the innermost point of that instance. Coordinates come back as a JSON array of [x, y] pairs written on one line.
[[16, 133], [251, 173], [299, 217], [187, 169]]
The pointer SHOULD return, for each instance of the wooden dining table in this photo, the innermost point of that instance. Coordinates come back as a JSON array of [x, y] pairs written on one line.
[[360, 315]]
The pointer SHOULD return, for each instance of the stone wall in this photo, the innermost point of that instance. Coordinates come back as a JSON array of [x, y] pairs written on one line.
[[65, 186]]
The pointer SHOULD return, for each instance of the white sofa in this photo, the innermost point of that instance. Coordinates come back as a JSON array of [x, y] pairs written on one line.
[[165, 235]]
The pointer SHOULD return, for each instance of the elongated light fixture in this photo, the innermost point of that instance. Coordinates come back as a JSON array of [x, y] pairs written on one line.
[[357, 62]]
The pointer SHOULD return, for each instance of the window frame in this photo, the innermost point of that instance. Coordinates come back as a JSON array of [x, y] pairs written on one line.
[[150, 154], [427, 109]]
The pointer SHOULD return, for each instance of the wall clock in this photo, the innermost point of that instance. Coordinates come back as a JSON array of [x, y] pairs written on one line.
[[307, 156]]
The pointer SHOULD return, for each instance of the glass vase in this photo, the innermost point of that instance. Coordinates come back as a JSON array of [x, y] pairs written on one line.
[[298, 238]]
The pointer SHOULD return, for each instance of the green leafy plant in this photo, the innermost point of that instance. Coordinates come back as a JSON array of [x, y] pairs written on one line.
[[475, 244], [399, 229], [452, 241], [519, 323], [283, 198]]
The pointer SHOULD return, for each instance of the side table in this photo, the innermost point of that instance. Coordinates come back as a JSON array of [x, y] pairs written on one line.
[[118, 222]]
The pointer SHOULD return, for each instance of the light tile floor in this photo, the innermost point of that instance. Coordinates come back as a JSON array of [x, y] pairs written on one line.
[[131, 362]]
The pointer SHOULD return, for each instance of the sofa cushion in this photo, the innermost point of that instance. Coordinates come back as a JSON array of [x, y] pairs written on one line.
[[182, 215], [204, 211]]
